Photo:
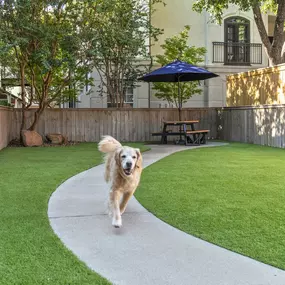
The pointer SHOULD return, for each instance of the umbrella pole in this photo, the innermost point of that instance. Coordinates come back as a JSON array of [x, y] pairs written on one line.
[[179, 109], [179, 101]]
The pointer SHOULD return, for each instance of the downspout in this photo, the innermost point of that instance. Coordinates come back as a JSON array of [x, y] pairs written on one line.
[[206, 92], [206, 37], [151, 61], [149, 89]]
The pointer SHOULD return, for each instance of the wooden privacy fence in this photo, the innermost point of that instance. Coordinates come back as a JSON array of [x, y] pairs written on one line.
[[5, 126], [258, 87], [258, 125], [126, 125]]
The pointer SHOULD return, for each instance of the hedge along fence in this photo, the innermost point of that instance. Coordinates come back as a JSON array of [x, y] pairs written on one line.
[[125, 124], [258, 125], [6, 115], [256, 88]]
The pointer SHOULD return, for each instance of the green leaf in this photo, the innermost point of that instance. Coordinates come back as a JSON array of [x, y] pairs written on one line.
[[177, 47]]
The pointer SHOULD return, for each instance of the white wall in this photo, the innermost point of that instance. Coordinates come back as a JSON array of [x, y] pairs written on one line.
[[172, 18], [93, 98], [175, 15]]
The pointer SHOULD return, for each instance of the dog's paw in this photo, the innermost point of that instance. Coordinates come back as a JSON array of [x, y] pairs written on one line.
[[117, 223]]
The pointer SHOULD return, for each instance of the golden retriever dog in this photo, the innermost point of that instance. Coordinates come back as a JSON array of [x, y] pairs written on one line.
[[123, 167]]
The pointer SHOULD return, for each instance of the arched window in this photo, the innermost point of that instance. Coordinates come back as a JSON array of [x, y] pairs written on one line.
[[237, 41]]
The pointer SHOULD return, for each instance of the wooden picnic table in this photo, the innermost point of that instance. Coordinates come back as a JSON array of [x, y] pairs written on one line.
[[184, 124], [181, 122], [191, 137]]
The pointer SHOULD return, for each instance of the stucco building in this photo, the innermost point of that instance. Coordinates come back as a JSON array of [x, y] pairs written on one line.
[[232, 47]]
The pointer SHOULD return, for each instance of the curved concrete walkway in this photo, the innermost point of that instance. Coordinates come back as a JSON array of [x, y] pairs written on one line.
[[145, 251]]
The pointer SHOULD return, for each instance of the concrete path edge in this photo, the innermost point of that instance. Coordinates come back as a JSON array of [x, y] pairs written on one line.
[[145, 251]]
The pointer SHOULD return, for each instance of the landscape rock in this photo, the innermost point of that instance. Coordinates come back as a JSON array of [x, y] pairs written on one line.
[[56, 138], [31, 138]]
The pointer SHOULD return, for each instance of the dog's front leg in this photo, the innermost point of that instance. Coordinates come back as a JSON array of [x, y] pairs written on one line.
[[108, 169], [126, 198], [115, 197]]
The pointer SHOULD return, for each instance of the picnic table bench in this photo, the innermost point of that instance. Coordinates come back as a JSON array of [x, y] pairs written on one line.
[[191, 137]]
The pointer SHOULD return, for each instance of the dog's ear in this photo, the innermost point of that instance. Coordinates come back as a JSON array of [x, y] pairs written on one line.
[[118, 157], [138, 152], [139, 158]]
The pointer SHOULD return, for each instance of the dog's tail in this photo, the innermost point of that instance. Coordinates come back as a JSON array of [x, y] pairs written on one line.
[[108, 144]]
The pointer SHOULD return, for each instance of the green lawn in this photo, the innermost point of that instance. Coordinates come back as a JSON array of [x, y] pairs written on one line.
[[30, 253], [233, 196]]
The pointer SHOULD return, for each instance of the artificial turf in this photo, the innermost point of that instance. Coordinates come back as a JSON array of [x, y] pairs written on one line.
[[30, 252], [232, 196]]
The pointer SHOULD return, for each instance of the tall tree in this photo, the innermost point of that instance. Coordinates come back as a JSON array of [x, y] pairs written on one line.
[[177, 47], [117, 34], [40, 41], [275, 50]]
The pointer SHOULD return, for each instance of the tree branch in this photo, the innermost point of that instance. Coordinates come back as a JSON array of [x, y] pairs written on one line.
[[38, 92], [278, 38], [62, 86], [261, 28]]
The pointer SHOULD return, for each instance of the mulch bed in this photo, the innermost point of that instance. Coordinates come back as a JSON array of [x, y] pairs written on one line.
[[17, 143]]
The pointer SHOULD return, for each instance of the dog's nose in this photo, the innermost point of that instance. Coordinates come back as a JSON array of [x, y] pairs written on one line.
[[129, 164]]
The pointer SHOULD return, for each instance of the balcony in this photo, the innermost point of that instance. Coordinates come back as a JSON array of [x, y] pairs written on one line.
[[237, 53]]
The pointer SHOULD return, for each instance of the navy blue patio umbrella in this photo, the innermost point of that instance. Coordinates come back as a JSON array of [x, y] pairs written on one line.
[[178, 71]]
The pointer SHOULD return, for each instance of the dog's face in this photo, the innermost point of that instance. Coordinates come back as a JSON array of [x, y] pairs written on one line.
[[128, 158]]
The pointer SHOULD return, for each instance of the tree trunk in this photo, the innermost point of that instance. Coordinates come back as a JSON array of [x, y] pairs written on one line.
[[23, 97], [23, 122], [179, 114], [122, 101], [117, 97], [179, 99], [274, 51], [36, 119], [37, 115], [275, 58], [278, 37]]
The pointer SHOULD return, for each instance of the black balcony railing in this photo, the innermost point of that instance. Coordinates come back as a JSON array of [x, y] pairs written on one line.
[[237, 53]]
